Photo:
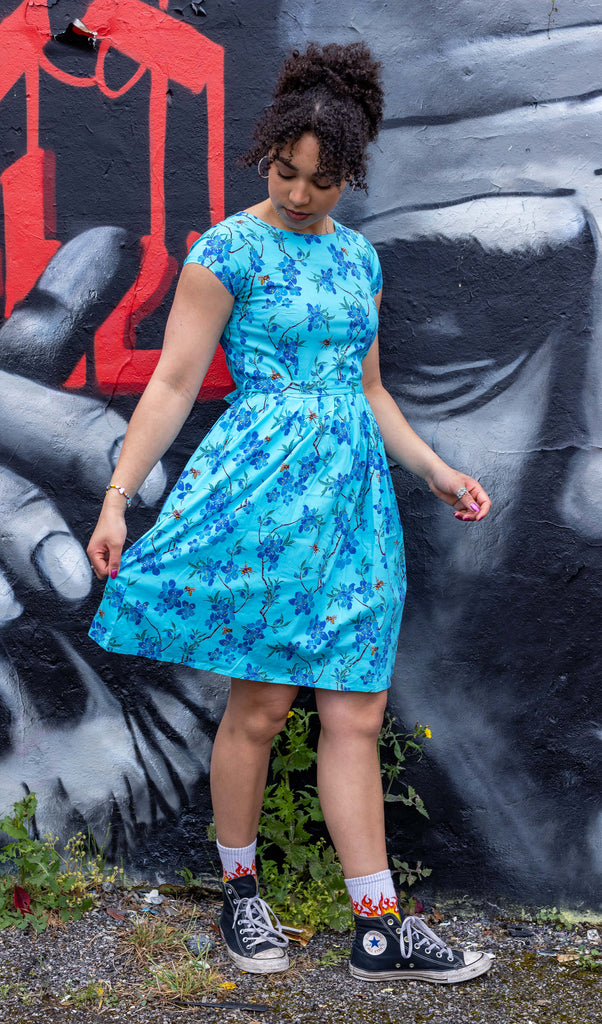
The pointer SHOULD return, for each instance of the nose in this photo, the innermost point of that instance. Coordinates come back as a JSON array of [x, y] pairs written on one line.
[[299, 193]]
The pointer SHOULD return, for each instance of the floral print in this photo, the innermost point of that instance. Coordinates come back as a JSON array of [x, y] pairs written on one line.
[[278, 555]]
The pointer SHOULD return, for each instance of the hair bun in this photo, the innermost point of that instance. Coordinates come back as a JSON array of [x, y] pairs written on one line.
[[342, 70]]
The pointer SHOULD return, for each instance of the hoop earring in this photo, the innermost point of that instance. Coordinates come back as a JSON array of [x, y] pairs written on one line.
[[259, 167]]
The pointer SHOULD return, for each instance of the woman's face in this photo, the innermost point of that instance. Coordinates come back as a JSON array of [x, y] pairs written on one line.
[[302, 198]]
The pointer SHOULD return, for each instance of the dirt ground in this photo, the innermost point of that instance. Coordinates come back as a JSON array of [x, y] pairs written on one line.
[[118, 962]]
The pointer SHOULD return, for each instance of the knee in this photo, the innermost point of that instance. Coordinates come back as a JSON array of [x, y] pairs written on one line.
[[356, 719], [256, 718]]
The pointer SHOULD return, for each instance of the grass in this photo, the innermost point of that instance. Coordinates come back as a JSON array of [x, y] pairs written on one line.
[[172, 971]]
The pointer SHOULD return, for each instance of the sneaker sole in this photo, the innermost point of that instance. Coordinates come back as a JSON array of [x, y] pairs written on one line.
[[254, 966], [467, 973]]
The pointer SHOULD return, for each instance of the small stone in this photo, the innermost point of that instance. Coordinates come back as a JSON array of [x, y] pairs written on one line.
[[593, 935], [200, 943]]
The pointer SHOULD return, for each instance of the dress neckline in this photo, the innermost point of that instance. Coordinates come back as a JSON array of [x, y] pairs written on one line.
[[295, 234]]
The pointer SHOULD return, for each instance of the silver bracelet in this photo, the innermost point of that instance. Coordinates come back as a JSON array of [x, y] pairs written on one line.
[[120, 490]]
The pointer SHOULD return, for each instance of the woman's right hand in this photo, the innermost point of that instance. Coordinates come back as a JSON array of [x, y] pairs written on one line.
[[106, 543]]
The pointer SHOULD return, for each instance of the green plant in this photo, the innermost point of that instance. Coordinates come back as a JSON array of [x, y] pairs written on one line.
[[553, 917], [301, 874], [394, 748], [589, 960], [42, 882], [172, 971]]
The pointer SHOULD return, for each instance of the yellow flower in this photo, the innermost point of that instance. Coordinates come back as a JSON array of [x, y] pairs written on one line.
[[428, 733], [228, 984], [290, 714]]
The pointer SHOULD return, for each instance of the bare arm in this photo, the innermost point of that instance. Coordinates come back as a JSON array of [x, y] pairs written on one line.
[[200, 311], [403, 444]]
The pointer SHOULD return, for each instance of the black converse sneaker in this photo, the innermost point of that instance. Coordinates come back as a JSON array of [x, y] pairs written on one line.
[[251, 931], [387, 949]]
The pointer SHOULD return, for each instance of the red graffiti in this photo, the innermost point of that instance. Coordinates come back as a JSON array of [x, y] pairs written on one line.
[[170, 51]]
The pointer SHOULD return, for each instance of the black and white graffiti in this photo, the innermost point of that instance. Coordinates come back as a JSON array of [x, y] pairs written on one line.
[[486, 188]]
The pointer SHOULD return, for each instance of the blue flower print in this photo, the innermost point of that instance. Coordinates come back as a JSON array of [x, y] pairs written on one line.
[[222, 609], [326, 281], [208, 570], [340, 430], [115, 597], [278, 555], [187, 610], [344, 595], [302, 677], [270, 550], [310, 520], [316, 318], [251, 635], [303, 603], [150, 563], [230, 571], [98, 631], [149, 648], [169, 598], [365, 632], [135, 613], [290, 272], [183, 486]]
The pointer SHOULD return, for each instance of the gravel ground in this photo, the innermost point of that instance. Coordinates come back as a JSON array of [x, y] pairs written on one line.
[[87, 972]]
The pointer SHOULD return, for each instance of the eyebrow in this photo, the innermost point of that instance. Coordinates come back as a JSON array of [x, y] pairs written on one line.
[[291, 167]]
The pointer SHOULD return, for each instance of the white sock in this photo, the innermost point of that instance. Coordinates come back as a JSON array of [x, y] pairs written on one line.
[[373, 895], [237, 860]]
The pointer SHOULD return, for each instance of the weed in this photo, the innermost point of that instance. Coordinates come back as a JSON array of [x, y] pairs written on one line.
[[45, 885], [95, 993], [333, 957], [552, 917], [301, 875], [184, 980], [589, 960], [173, 972]]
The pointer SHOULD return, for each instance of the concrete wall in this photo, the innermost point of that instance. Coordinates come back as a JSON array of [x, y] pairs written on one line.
[[484, 205]]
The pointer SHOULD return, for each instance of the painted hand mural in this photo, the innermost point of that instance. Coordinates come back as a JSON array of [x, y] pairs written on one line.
[[98, 749], [484, 207], [484, 204]]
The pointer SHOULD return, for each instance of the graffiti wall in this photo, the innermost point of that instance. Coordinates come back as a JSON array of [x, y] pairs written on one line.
[[120, 123]]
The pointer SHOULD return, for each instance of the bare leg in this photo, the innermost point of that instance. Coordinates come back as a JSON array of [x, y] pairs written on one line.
[[255, 713], [349, 781]]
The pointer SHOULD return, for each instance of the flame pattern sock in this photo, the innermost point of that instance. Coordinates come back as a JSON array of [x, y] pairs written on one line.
[[237, 860], [373, 895]]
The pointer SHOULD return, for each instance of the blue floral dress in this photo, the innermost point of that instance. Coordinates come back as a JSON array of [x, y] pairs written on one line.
[[278, 555]]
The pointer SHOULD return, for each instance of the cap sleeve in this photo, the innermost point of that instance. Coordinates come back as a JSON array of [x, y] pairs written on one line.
[[219, 250], [376, 277]]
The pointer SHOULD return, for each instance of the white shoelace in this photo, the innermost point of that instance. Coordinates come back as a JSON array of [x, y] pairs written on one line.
[[258, 923], [415, 934]]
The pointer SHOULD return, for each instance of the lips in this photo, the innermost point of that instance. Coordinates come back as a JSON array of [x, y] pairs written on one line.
[[294, 215]]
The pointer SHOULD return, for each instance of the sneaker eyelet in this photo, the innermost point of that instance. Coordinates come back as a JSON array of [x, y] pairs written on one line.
[[398, 930], [439, 955]]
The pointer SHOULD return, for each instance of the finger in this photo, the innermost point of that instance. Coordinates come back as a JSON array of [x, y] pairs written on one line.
[[49, 332], [10, 607], [50, 434], [38, 548]]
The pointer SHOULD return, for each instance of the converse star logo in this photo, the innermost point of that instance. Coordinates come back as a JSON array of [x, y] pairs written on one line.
[[374, 943]]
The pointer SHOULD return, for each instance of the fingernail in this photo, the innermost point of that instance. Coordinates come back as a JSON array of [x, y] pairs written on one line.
[[474, 507], [113, 574], [61, 562]]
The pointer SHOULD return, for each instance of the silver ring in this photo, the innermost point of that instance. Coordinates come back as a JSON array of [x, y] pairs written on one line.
[[461, 492]]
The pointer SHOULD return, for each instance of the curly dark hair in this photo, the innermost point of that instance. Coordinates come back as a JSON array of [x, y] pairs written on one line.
[[334, 92]]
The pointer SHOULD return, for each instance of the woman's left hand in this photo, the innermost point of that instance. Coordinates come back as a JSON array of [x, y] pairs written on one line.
[[466, 496]]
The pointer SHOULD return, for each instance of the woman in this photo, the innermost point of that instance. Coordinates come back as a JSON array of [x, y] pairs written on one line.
[[278, 557]]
